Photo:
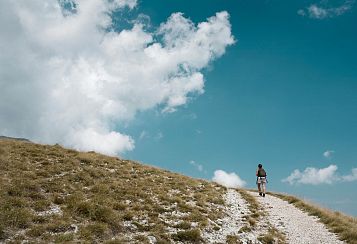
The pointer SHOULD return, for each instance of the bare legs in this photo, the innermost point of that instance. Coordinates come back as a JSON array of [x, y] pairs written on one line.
[[262, 188], [259, 188]]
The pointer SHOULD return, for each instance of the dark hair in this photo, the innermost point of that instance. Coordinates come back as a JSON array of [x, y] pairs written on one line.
[[260, 166]]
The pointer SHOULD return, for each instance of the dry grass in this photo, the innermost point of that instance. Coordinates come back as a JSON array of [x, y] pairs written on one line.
[[232, 239], [344, 226], [254, 207], [98, 198], [272, 237], [192, 236]]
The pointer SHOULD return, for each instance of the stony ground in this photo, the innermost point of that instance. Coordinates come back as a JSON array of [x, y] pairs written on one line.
[[297, 226], [236, 208], [238, 226]]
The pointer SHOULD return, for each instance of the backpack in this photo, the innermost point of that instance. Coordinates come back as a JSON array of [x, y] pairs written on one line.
[[262, 173]]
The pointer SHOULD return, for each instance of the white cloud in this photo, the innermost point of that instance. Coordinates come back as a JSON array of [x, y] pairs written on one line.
[[322, 11], [198, 166], [351, 177], [231, 180], [301, 12], [315, 176], [103, 142], [328, 153], [317, 12], [64, 78]]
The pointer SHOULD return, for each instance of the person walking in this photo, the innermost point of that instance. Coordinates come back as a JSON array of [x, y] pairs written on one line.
[[261, 180]]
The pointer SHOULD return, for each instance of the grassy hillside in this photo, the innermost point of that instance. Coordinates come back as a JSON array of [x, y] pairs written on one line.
[[52, 194]]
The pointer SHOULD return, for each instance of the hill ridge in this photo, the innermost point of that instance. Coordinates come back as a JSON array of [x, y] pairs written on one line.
[[14, 138]]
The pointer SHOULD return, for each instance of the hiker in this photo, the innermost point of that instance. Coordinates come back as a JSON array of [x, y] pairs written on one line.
[[261, 180]]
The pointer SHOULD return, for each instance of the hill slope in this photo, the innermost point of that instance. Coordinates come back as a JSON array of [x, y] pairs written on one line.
[[53, 194]]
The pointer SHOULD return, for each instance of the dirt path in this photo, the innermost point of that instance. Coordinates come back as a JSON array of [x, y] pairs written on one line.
[[237, 210], [298, 226]]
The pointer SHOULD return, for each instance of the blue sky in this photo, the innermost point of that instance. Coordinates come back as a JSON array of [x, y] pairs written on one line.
[[191, 87], [282, 95]]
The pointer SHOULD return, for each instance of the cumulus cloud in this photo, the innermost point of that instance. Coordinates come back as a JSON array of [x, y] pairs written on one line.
[[316, 176], [231, 180], [350, 177], [328, 153], [323, 11], [313, 176], [67, 77]]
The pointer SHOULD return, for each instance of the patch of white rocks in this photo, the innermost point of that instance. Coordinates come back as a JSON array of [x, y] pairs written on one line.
[[235, 208]]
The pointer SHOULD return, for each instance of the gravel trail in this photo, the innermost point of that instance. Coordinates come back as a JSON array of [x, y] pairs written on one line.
[[236, 208], [298, 226]]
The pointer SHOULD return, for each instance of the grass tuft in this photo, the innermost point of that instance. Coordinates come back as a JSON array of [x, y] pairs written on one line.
[[183, 225], [273, 236], [188, 236], [232, 239]]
